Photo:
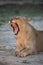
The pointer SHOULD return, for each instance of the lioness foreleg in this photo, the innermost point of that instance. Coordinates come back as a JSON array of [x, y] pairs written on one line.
[[26, 52]]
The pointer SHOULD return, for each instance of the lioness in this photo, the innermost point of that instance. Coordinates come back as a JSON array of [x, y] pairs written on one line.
[[28, 39]]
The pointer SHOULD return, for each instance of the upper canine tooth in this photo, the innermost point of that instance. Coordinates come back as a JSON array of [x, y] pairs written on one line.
[[9, 21]]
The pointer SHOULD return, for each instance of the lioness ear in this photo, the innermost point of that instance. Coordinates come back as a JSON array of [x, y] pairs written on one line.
[[26, 19]]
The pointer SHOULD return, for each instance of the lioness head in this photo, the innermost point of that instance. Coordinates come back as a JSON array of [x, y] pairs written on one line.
[[17, 23]]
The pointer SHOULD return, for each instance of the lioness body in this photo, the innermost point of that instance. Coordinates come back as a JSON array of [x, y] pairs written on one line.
[[39, 39], [28, 40]]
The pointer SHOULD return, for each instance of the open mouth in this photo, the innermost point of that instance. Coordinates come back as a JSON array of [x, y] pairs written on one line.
[[15, 28]]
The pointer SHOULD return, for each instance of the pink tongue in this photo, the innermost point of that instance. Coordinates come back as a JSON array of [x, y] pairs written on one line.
[[16, 30]]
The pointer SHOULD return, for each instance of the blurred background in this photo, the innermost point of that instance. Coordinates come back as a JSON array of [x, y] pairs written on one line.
[[27, 8], [24, 8]]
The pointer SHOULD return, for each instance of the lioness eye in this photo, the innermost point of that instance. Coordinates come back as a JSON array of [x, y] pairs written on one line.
[[11, 20]]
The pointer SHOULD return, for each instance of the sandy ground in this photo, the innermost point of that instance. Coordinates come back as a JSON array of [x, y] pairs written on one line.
[[8, 43]]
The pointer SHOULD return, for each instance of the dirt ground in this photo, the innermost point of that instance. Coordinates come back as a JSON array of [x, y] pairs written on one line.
[[7, 59]]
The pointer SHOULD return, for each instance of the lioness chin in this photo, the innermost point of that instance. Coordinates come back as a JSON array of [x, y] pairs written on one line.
[[29, 40]]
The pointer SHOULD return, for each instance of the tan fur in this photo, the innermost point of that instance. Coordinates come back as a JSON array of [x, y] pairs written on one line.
[[28, 40]]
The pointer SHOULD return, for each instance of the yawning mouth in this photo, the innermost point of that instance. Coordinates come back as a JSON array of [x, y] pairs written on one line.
[[15, 28]]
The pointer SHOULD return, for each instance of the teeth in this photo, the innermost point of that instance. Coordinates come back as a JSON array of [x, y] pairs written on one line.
[[9, 22], [13, 21]]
